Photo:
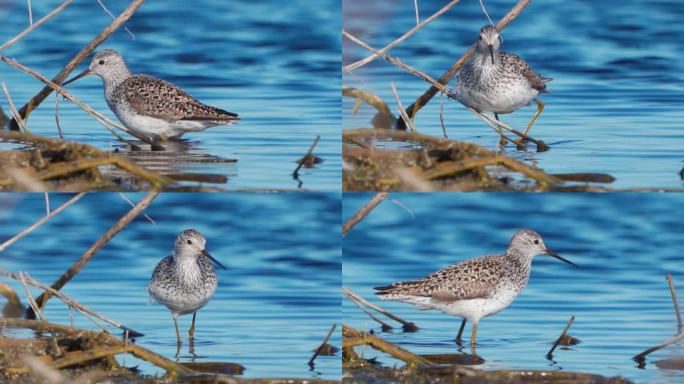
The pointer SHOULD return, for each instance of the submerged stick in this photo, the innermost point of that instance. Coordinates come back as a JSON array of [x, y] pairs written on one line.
[[323, 344], [408, 326], [306, 157], [421, 101], [76, 60], [558, 341], [640, 357], [40, 222], [676, 303], [83, 260], [363, 212]]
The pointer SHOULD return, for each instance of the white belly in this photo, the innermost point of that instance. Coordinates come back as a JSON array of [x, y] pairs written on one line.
[[498, 100], [158, 129], [472, 310]]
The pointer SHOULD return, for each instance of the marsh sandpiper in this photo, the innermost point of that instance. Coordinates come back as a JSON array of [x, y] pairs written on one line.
[[151, 107], [498, 82], [186, 280], [474, 288]]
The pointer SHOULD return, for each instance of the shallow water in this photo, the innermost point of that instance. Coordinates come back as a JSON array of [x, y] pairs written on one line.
[[617, 92], [625, 244], [274, 304], [277, 67]]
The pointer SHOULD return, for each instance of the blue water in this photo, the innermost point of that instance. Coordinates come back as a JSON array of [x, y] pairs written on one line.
[[625, 244], [276, 66], [617, 93], [273, 306]]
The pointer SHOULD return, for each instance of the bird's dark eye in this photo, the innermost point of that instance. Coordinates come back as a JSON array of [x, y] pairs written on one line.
[[536, 241], [480, 37], [189, 241], [101, 62]]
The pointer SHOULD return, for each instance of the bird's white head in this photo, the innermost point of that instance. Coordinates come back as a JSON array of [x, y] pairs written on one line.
[[108, 64], [489, 41], [528, 243], [191, 244]]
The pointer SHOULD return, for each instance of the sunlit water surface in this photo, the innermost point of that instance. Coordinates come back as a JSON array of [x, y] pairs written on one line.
[[625, 244], [276, 66], [616, 99], [274, 304]]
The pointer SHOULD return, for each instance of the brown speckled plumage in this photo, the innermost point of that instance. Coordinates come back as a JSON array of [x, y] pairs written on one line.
[[496, 81], [470, 279], [154, 97]]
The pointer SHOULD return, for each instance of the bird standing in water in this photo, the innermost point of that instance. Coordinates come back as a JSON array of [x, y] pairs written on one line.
[[186, 280], [151, 107], [474, 288], [499, 82]]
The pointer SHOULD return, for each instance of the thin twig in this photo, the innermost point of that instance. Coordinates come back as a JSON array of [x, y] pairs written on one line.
[[61, 76], [28, 2], [47, 203], [365, 210], [362, 62], [104, 239], [132, 204], [676, 303], [558, 341], [415, 7], [40, 222], [441, 114], [114, 18], [37, 24], [408, 326], [59, 127], [13, 109], [323, 344], [402, 111], [385, 326], [29, 297]]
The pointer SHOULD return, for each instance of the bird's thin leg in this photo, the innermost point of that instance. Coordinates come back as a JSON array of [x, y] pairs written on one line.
[[540, 108], [175, 322], [192, 334], [502, 142], [460, 332], [473, 335]]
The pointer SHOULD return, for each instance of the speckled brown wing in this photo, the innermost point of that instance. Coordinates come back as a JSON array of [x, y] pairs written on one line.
[[470, 279], [537, 82], [154, 97]]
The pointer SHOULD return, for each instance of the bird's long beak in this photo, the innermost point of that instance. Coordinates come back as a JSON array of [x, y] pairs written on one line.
[[82, 74], [557, 256], [491, 52], [207, 254]]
